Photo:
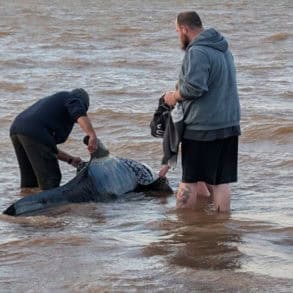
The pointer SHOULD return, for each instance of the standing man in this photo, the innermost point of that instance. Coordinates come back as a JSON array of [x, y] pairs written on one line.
[[36, 131], [208, 88]]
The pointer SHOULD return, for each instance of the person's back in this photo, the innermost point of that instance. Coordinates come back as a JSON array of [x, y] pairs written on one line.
[[50, 120]]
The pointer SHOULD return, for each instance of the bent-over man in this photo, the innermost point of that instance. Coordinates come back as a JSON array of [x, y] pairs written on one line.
[[36, 132]]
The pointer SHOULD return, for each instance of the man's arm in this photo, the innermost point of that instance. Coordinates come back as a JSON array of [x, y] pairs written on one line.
[[86, 125], [65, 157], [194, 83]]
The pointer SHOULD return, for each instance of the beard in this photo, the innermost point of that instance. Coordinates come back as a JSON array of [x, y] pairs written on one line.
[[184, 42]]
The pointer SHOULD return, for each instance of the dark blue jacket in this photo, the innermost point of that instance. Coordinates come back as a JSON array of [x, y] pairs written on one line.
[[50, 120]]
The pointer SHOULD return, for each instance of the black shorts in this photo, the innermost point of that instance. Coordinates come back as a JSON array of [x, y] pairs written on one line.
[[214, 162]]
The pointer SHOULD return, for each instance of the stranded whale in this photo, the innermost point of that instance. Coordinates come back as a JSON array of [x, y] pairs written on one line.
[[103, 178]]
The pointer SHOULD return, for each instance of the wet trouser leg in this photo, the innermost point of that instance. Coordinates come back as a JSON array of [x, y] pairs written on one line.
[[27, 175], [37, 162]]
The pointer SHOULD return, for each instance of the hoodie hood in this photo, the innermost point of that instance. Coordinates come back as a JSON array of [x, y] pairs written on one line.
[[210, 38], [82, 95]]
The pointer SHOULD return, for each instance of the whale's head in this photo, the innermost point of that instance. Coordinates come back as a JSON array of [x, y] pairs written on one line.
[[101, 150]]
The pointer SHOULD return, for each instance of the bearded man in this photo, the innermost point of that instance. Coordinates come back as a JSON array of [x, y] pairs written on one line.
[[208, 88]]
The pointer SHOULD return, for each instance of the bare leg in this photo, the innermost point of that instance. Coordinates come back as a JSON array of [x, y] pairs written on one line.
[[186, 195], [202, 189], [222, 197]]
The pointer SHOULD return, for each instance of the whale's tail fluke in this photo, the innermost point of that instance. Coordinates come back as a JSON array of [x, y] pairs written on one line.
[[10, 211], [36, 202], [79, 189]]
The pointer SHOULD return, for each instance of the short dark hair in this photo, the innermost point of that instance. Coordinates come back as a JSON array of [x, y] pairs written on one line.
[[189, 18]]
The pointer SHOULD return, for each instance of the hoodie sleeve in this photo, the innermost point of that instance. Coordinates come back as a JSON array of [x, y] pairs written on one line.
[[194, 75], [75, 107]]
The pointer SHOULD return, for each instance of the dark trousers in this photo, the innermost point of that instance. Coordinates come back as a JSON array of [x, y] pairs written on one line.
[[38, 163]]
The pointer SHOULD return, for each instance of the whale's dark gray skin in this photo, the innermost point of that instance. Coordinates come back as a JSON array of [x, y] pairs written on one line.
[[102, 179]]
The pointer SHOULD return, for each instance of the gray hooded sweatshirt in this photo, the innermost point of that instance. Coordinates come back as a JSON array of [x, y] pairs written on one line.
[[207, 84]]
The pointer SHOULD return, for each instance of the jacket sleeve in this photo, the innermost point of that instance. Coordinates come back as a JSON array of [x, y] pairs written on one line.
[[194, 75], [75, 107]]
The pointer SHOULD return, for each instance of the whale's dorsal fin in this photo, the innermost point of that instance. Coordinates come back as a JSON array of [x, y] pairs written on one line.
[[101, 151]]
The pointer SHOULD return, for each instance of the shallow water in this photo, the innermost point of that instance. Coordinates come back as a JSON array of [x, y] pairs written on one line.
[[126, 53]]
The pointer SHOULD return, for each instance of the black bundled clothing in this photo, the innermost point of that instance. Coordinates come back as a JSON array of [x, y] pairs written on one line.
[[160, 118], [168, 123]]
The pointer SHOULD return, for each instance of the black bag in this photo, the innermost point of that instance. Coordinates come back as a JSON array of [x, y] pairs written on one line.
[[160, 118]]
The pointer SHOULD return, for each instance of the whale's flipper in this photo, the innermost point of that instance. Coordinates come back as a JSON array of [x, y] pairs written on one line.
[[160, 187], [79, 189]]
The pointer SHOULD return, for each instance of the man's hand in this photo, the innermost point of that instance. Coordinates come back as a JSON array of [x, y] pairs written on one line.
[[92, 144], [71, 160], [170, 99], [75, 161], [164, 170]]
